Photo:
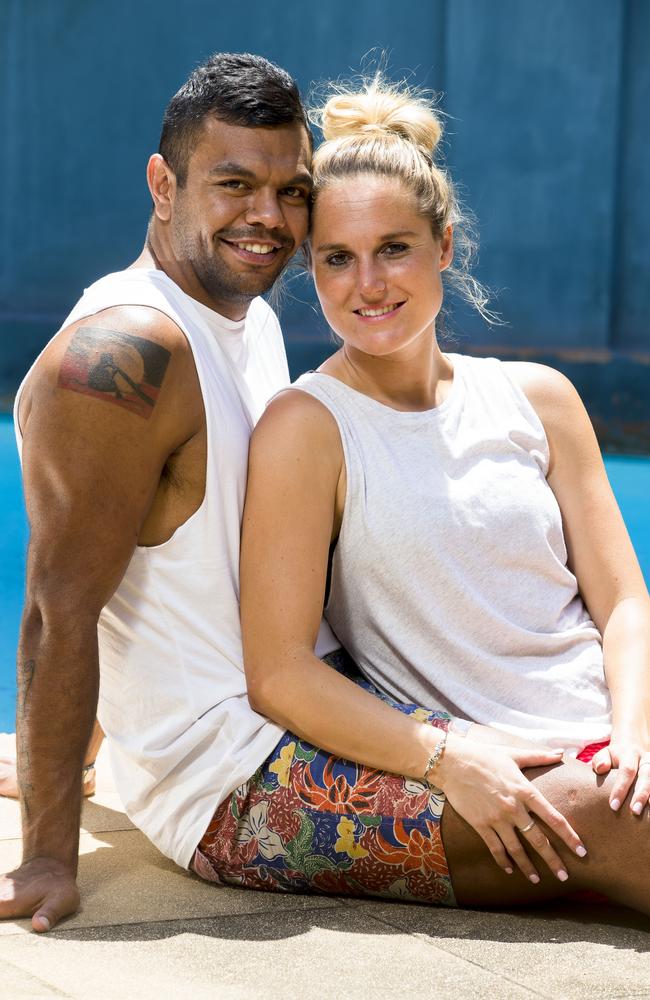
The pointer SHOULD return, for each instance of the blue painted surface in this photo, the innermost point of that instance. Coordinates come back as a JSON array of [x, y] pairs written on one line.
[[547, 136], [13, 542], [630, 478]]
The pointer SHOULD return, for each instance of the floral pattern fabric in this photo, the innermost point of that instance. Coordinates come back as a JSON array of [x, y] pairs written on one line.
[[308, 821]]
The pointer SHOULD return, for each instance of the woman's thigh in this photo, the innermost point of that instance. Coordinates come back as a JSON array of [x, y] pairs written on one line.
[[308, 821], [616, 847]]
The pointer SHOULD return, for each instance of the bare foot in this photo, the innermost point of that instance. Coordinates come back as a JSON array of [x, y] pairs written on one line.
[[9, 781]]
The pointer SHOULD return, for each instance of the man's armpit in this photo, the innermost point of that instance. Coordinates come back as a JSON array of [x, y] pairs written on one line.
[[116, 367]]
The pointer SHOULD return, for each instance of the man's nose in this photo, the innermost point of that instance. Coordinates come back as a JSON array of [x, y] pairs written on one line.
[[264, 209]]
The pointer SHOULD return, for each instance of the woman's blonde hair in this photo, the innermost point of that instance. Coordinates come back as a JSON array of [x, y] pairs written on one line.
[[393, 130]]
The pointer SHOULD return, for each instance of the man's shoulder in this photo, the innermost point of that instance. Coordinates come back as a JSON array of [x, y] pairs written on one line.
[[118, 352], [136, 298], [261, 316], [134, 324]]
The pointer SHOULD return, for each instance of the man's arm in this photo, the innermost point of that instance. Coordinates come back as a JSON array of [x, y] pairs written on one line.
[[106, 406], [9, 777]]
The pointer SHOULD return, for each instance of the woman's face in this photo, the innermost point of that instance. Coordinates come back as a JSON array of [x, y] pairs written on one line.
[[376, 264]]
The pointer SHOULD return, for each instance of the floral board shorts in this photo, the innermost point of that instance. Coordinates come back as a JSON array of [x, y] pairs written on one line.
[[308, 821]]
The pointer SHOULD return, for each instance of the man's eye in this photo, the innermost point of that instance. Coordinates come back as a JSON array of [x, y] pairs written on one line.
[[233, 185], [295, 193]]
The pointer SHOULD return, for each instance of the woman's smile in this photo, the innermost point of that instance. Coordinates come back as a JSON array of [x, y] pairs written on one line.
[[376, 314]]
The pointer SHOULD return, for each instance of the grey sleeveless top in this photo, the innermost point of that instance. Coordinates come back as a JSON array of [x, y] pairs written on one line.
[[450, 584]]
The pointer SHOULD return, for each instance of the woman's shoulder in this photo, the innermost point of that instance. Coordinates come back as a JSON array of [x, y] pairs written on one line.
[[295, 421], [551, 394]]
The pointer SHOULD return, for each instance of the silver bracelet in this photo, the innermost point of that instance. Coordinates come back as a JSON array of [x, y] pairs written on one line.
[[435, 757]]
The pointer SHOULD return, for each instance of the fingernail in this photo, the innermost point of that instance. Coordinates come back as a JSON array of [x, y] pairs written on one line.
[[45, 922], [534, 879], [562, 875], [508, 871], [637, 808], [581, 851], [615, 804]]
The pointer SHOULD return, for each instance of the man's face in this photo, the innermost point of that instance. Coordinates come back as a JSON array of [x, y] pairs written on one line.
[[243, 211]]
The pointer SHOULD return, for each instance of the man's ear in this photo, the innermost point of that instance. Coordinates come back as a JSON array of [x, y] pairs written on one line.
[[446, 248], [162, 185]]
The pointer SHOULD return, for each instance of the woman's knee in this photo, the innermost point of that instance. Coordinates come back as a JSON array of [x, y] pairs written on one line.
[[583, 798]]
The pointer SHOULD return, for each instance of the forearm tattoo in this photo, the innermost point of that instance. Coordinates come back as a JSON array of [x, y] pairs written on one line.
[[116, 367], [26, 671]]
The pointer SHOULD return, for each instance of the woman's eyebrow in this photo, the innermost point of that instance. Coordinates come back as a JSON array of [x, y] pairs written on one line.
[[386, 238]]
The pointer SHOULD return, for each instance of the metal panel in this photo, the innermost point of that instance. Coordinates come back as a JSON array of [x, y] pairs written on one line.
[[548, 138], [533, 91], [631, 220]]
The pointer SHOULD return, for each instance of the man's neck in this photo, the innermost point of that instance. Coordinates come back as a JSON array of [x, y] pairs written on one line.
[[154, 258]]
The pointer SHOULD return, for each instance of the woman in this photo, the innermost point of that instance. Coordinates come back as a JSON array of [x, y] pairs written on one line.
[[469, 517]]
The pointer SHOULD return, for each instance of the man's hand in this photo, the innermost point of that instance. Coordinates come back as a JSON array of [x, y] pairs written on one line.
[[43, 889]]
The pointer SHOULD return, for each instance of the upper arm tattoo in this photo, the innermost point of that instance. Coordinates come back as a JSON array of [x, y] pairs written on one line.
[[116, 367]]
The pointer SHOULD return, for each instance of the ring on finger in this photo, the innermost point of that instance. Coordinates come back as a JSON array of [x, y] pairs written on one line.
[[525, 829]]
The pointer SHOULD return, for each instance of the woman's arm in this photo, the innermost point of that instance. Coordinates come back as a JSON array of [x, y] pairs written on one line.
[[296, 472], [608, 573]]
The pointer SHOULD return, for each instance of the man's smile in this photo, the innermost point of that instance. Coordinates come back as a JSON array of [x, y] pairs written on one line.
[[259, 252]]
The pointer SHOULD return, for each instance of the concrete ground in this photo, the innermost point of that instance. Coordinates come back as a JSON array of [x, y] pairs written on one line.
[[149, 931]]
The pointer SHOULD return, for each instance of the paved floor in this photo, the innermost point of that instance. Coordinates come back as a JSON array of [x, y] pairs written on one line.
[[149, 930]]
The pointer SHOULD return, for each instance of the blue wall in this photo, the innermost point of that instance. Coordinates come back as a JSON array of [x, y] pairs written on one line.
[[547, 135]]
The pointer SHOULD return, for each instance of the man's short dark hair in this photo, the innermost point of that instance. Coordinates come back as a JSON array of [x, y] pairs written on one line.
[[236, 87]]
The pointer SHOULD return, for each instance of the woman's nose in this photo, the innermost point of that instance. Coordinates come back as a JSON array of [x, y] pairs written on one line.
[[371, 279]]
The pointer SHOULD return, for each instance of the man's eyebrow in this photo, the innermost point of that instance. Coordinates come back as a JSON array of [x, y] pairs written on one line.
[[232, 169], [386, 238]]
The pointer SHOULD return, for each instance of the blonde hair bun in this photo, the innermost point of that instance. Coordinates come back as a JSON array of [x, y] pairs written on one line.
[[381, 109]]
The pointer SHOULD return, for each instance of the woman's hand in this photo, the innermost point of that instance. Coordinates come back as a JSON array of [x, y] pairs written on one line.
[[487, 788], [631, 758]]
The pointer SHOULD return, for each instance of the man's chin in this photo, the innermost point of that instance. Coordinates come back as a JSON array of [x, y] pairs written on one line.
[[244, 287]]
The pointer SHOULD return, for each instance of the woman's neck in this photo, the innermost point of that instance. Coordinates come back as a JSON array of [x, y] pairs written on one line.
[[419, 380]]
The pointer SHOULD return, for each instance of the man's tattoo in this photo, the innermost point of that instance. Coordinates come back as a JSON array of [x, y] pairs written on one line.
[[116, 367], [26, 671]]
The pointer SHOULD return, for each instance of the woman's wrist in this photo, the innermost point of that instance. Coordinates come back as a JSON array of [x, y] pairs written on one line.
[[443, 751], [435, 759]]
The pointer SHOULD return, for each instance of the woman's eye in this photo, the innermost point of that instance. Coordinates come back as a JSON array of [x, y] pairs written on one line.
[[391, 249], [337, 259]]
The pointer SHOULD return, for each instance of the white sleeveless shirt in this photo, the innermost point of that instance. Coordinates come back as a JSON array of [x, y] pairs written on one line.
[[450, 585], [172, 698]]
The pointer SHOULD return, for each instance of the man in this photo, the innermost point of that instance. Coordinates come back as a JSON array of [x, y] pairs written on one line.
[[134, 425]]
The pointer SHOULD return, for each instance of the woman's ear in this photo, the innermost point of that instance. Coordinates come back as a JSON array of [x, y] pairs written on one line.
[[446, 248]]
